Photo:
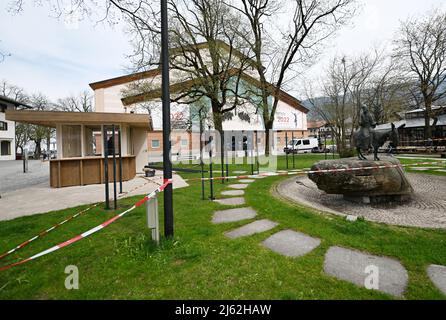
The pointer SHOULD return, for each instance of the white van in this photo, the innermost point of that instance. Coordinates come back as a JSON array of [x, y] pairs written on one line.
[[304, 145]]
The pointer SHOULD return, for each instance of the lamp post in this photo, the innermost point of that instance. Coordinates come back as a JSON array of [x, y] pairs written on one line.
[[167, 165]]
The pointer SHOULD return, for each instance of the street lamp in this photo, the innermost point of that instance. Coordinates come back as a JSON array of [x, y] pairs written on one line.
[[167, 164]]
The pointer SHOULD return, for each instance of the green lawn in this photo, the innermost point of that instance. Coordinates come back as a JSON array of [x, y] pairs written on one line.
[[121, 262]]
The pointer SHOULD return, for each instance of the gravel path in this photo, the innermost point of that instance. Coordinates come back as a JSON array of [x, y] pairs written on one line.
[[426, 209]]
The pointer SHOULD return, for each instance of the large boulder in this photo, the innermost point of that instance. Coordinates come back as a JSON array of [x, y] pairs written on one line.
[[355, 179]]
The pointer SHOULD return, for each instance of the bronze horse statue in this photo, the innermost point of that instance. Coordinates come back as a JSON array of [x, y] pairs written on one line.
[[376, 139]]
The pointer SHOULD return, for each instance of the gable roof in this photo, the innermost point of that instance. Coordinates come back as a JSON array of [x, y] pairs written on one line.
[[125, 79], [14, 102], [157, 71], [174, 88]]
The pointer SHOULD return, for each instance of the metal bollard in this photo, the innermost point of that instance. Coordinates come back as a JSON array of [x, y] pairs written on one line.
[[153, 218]]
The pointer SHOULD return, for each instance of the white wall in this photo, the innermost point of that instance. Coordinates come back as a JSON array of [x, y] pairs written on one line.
[[8, 135], [289, 118]]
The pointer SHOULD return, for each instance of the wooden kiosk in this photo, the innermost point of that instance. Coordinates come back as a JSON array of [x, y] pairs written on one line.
[[80, 143]]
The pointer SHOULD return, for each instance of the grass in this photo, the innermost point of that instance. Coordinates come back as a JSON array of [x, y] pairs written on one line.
[[120, 262]]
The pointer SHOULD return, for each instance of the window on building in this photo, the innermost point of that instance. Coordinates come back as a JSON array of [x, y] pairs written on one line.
[[3, 107], [184, 142], [3, 126], [5, 148], [155, 144], [71, 141]]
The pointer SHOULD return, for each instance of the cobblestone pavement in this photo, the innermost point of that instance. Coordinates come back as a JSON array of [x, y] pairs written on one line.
[[41, 198], [426, 209], [12, 177]]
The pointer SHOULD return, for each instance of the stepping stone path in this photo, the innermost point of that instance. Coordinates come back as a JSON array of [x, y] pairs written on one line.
[[232, 201], [239, 172], [437, 274], [291, 243], [233, 193], [357, 267], [238, 186], [232, 215], [258, 226]]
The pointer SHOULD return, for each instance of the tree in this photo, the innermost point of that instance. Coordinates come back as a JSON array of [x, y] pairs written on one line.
[[312, 22], [79, 103], [207, 58], [37, 133], [346, 86], [421, 49]]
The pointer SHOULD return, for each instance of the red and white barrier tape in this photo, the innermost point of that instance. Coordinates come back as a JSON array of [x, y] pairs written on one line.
[[91, 231], [296, 172], [57, 225]]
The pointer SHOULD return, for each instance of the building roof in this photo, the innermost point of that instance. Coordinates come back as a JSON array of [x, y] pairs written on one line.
[[413, 123], [174, 88], [157, 71], [52, 118], [14, 102], [316, 124]]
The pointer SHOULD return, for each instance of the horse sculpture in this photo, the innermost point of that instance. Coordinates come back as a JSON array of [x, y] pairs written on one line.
[[376, 140]]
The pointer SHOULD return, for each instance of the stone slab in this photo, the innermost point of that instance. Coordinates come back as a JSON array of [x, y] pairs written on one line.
[[252, 228], [291, 243], [360, 267], [257, 177], [437, 274], [238, 186], [232, 215], [233, 193], [246, 180], [231, 201], [239, 172], [441, 170]]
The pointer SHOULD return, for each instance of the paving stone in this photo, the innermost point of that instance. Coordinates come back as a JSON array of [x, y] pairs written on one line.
[[239, 172], [232, 215], [441, 170], [231, 201], [257, 177], [252, 228], [291, 243], [359, 268], [246, 180], [233, 193], [437, 274], [238, 186]]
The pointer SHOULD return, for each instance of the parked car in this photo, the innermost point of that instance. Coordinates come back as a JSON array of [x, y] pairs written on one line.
[[304, 145]]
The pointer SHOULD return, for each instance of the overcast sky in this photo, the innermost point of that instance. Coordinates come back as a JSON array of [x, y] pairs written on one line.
[[59, 58]]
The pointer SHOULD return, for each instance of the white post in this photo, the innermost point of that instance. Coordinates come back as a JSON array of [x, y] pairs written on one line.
[[152, 218]]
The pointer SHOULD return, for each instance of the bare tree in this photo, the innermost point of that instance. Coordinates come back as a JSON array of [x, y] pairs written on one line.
[[312, 22], [421, 48], [37, 133], [346, 85], [79, 103]]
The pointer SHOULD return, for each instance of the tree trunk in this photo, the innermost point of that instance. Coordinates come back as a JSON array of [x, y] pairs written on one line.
[[38, 150], [218, 125], [268, 130], [427, 119]]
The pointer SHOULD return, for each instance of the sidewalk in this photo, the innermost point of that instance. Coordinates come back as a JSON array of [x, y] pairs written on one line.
[[41, 198]]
